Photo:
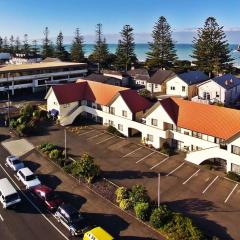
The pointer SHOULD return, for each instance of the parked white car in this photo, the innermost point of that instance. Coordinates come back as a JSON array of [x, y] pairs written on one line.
[[14, 163], [27, 177]]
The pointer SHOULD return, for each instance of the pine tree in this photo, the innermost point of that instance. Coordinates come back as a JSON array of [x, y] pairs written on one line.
[[1, 44], [34, 48], [77, 53], [60, 51], [162, 52], [26, 47], [11, 45], [211, 49], [125, 50], [17, 47], [47, 47], [5, 45], [100, 52]]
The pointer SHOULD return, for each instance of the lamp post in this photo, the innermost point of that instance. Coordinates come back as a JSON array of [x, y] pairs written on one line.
[[8, 96], [65, 143], [159, 182]]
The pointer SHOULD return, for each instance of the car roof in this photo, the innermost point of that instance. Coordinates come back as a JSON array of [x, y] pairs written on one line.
[[26, 171], [69, 209], [6, 187]]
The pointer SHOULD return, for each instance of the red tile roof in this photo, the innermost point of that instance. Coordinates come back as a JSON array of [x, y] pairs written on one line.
[[211, 120], [135, 102], [100, 93]]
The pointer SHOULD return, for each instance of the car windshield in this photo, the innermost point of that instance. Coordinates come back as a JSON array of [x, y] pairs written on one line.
[[11, 197], [30, 177], [16, 161], [50, 196]]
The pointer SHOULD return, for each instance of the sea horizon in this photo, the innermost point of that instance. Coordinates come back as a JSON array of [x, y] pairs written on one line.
[[184, 50]]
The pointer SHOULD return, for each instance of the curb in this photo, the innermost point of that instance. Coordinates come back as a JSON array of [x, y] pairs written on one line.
[[98, 194]]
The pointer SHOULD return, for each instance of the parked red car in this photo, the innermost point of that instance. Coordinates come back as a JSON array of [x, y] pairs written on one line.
[[47, 196]]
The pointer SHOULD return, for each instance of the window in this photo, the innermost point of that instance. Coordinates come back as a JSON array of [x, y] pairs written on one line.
[[89, 103], [156, 85], [172, 88], [186, 132], [183, 88], [112, 110], [177, 129], [110, 122], [235, 150], [217, 94], [196, 134], [150, 138], [66, 105], [120, 127], [154, 122], [124, 113]]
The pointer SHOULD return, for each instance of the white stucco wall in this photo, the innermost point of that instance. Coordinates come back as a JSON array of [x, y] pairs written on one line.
[[154, 87], [120, 105], [178, 84], [52, 102]]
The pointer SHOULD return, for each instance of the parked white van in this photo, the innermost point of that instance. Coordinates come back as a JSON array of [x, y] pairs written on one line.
[[8, 194]]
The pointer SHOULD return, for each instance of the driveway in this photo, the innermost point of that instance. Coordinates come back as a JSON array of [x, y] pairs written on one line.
[[210, 200]]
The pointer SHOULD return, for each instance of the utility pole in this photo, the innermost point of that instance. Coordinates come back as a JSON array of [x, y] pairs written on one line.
[[65, 143], [8, 100], [159, 176]]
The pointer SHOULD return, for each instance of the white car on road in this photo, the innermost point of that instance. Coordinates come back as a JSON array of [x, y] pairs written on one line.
[[14, 163], [27, 177]]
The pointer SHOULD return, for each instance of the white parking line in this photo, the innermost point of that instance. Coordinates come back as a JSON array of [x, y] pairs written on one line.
[[86, 132], [96, 136], [229, 195], [194, 174], [132, 152], [145, 157], [1, 217], [105, 140], [164, 160], [210, 185], [174, 170], [29, 200]]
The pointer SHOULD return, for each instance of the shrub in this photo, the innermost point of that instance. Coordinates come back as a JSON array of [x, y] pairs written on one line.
[[160, 216], [121, 193], [125, 204], [86, 168], [43, 145], [182, 228], [27, 111], [49, 147], [233, 176], [68, 168], [55, 154], [138, 194], [21, 128], [111, 129], [142, 210], [13, 123]]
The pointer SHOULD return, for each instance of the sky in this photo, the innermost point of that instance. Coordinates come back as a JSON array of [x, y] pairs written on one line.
[[185, 16]]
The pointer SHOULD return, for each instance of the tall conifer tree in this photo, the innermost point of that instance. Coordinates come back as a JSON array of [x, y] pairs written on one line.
[[60, 51], [77, 53], [162, 52], [211, 50], [125, 50], [47, 47], [26, 47]]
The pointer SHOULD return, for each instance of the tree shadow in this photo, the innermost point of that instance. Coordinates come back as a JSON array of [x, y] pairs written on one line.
[[197, 210], [76, 200], [128, 174], [32, 165], [49, 180]]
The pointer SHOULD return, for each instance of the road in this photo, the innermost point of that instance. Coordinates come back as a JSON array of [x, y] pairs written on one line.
[[27, 220]]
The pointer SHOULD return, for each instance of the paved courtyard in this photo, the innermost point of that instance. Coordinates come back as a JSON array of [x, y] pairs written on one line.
[[211, 200]]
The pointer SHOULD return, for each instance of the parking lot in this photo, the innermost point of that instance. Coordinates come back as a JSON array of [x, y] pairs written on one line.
[[211, 200]]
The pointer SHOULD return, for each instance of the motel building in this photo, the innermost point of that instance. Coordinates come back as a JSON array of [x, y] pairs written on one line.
[[203, 131], [36, 75]]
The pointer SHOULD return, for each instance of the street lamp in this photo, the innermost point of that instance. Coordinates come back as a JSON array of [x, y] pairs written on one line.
[[159, 176]]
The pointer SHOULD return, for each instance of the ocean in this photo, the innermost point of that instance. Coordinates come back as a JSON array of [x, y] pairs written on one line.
[[184, 51]]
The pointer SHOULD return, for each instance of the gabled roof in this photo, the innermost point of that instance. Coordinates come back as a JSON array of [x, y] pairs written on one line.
[[138, 72], [161, 76], [193, 77], [134, 101], [100, 93], [212, 120], [227, 81]]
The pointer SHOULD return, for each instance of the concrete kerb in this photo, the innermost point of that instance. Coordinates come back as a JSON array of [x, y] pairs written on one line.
[[99, 195]]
